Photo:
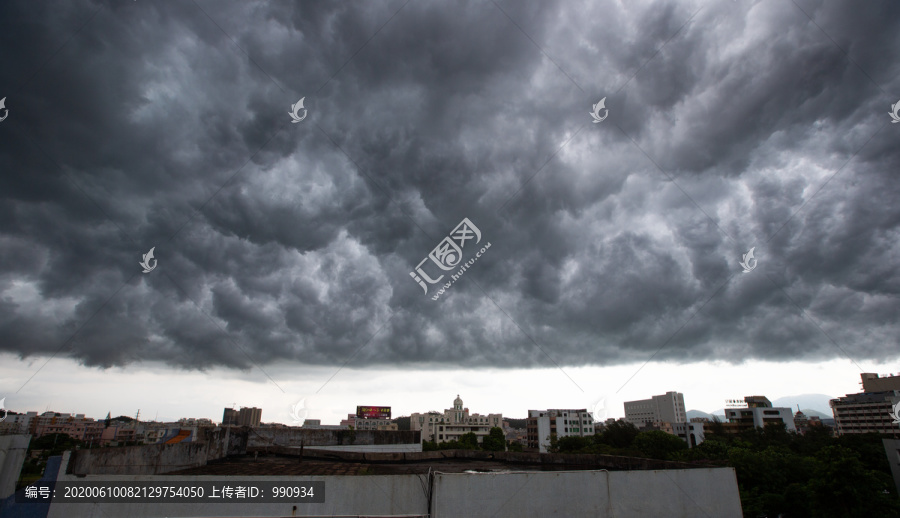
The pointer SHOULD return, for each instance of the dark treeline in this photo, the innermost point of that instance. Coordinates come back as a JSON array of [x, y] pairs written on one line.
[[779, 473]]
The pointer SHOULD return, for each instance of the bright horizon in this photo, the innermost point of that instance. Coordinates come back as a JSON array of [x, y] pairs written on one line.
[[157, 391]]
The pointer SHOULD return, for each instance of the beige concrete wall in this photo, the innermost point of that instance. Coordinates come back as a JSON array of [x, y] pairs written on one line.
[[157, 458], [12, 456]]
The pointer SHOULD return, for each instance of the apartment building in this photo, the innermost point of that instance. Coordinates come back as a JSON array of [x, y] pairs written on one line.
[[542, 424]]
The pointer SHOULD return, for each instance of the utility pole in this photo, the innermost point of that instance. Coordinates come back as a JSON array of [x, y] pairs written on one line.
[[137, 415]]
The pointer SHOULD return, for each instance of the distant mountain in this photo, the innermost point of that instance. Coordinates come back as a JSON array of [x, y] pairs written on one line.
[[813, 402]]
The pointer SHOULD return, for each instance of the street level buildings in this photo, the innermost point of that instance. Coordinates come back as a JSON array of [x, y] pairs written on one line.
[[453, 423], [541, 425]]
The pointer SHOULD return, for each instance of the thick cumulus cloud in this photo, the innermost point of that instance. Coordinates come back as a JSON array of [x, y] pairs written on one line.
[[731, 125]]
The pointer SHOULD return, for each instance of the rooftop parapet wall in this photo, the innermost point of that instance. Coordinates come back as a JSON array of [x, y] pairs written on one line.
[[593, 461], [158, 458], [294, 437]]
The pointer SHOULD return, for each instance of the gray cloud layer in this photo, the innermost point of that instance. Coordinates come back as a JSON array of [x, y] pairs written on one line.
[[294, 242]]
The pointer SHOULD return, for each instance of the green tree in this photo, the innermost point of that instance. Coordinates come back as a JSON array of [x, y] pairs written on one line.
[[554, 444], [468, 441], [575, 444], [495, 441], [619, 434], [658, 444], [513, 446], [842, 486], [54, 444]]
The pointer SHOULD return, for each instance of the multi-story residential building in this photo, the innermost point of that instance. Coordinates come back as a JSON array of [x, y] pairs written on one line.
[[453, 423], [757, 414], [866, 412], [17, 423], [230, 417], [75, 426], [249, 416], [542, 424], [118, 433], [666, 408]]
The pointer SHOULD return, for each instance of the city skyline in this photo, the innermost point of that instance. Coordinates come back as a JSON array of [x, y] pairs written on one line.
[[331, 409], [206, 203]]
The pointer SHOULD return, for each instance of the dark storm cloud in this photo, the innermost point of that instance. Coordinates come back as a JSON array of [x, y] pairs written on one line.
[[282, 242]]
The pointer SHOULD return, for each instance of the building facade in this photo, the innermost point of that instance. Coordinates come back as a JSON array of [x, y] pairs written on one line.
[[19, 424], [249, 416], [666, 408], [541, 425], [360, 423], [691, 432], [453, 423], [230, 417], [757, 414], [866, 412], [875, 383], [77, 427]]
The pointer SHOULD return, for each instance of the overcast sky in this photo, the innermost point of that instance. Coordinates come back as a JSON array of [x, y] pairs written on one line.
[[282, 251]]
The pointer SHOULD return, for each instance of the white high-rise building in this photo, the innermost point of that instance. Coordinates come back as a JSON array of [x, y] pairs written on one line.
[[667, 408], [541, 424], [453, 423]]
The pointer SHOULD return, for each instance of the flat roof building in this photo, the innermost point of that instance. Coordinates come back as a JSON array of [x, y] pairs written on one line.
[[542, 424], [249, 416], [885, 383], [230, 417], [666, 408], [758, 413]]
